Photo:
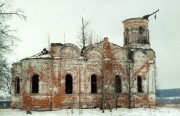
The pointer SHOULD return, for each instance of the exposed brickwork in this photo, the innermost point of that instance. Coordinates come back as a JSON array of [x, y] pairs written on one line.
[[105, 60], [135, 22]]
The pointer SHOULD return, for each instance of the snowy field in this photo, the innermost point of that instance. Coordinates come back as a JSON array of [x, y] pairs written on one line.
[[96, 112]]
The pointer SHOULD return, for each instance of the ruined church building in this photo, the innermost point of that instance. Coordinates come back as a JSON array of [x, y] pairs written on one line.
[[102, 75]]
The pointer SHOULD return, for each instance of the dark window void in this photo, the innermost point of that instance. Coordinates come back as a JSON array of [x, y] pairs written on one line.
[[118, 84], [93, 84], [125, 41], [130, 55], [145, 40], [35, 84], [141, 30], [17, 85], [68, 85], [139, 83]]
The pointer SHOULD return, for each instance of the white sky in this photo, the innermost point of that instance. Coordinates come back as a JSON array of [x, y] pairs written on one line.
[[57, 17]]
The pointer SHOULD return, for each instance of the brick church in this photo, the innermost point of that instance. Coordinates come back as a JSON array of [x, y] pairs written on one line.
[[102, 75]]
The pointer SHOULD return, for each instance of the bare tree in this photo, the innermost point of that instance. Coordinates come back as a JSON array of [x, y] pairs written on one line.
[[84, 33], [7, 40], [90, 39], [5, 79], [87, 36]]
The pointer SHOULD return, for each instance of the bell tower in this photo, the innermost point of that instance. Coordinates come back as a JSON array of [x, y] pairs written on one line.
[[136, 32]]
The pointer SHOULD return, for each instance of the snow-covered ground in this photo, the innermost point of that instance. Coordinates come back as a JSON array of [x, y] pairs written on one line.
[[96, 112]]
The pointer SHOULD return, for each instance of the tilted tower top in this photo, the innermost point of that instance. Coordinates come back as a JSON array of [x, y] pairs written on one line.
[[136, 32]]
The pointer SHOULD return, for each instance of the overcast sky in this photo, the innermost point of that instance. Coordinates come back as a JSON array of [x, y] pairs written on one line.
[[59, 17]]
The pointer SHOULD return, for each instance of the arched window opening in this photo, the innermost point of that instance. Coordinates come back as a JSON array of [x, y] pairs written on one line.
[[118, 84], [141, 30], [145, 41], [17, 85], [130, 55], [68, 84], [35, 84], [125, 41], [139, 84], [93, 84]]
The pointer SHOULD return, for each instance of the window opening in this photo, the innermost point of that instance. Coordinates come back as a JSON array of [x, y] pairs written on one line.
[[130, 55], [93, 84], [139, 83], [118, 84], [141, 30], [17, 85], [35, 84], [68, 84]]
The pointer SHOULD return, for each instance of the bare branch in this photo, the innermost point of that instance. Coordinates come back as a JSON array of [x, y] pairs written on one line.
[[7, 40], [2, 5], [15, 13]]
